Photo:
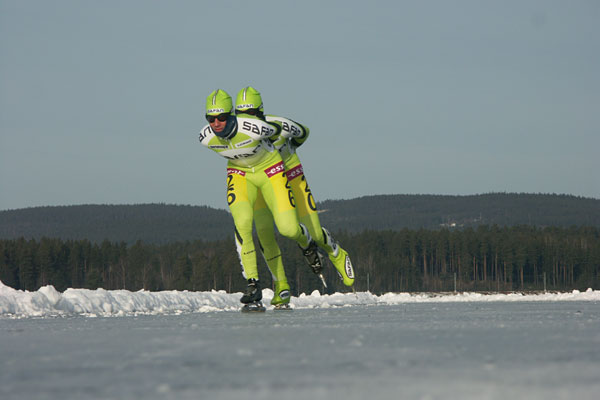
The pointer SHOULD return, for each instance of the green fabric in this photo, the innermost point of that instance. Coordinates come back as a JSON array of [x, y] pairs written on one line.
[[218, 102], [343, 265], [281, 294], [265, 228], [242, 193], [248, 98]]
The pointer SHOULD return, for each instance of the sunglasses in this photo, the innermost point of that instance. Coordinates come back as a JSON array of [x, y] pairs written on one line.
[[220, 117], [250, 111]]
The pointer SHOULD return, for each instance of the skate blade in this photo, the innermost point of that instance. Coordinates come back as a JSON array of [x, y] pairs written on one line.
[[253, 307], [282, 307], [323, 280]]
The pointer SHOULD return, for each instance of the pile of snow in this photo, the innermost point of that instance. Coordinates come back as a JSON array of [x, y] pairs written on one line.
[[47, 301]]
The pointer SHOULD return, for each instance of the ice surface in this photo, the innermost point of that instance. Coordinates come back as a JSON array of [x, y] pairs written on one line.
[[417, 349], [48, 302]]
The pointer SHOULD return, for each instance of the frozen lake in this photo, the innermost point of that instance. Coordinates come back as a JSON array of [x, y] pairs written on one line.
[[423, 350]]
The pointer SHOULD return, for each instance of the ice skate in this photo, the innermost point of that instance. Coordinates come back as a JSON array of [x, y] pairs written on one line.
[[256, 306], [252, 297], [315, 260], [281, 297], [252, 292], [343, 265]]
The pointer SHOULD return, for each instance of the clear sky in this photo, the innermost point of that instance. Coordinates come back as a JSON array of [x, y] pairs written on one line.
[[101, 101]]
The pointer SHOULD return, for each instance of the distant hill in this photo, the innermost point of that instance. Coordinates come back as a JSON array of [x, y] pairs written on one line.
[[436, 211], [150, 223], [161, 223]]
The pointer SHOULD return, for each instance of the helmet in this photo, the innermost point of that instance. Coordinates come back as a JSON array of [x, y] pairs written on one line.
[[218, 102], [248, 98]]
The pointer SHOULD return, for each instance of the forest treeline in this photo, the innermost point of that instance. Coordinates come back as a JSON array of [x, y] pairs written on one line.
[[486, 258], [162, 223]]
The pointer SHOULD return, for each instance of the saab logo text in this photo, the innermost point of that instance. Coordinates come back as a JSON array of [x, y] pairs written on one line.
[[262, 130], [293, 129]]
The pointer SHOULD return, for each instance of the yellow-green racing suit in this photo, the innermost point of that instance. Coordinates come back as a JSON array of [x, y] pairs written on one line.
[[293, 135], [254, 165]]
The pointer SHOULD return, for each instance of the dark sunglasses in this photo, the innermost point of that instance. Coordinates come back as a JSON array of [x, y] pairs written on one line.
[[220, 117], [250, 111]]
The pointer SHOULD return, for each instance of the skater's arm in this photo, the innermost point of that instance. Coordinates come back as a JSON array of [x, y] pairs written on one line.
[[290, 129], [205, 135], [257, 128]]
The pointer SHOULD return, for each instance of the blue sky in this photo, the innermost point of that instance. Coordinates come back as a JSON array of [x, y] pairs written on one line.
[[101, 102]]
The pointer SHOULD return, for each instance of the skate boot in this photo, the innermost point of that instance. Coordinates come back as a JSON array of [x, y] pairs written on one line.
[[252, 297], [281, 297], [343, 265], [314, 259]]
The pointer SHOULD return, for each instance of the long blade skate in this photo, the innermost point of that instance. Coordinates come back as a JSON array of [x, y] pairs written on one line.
[[256, 306], [315, 260], [320, 275], [282, 307]]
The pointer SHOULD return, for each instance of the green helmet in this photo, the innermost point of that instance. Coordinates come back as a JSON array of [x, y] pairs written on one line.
[[248, 98], [218, 102]]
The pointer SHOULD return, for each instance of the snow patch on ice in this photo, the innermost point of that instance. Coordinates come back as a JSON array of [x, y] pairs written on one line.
[[48, 302]]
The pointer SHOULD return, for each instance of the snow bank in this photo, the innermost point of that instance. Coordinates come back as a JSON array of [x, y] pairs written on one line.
[[48, 302]]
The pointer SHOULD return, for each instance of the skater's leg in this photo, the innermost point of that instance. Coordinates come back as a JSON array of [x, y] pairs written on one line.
[[307, 213], [306, 207], [241, 195], [280, 201], [265, 230]]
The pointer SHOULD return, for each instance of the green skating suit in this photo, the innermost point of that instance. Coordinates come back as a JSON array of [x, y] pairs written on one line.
[[292, 136], [254, 165]]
